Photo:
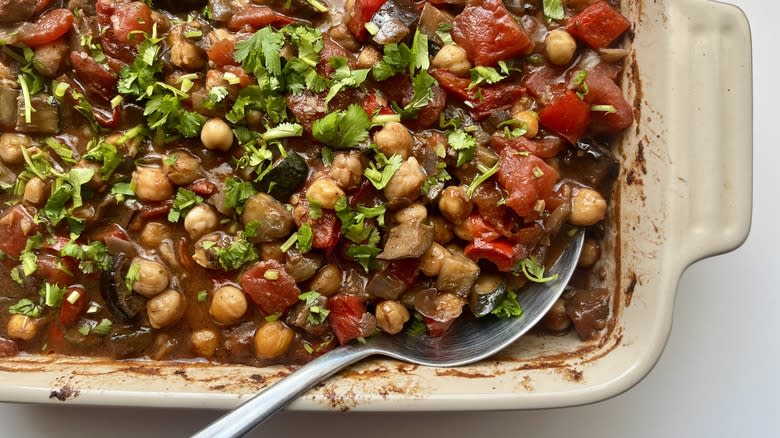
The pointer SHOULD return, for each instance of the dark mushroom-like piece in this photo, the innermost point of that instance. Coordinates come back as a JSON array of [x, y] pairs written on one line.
[[120, 301]]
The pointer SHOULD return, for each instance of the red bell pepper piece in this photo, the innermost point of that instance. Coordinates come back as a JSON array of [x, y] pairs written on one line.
[[500, 252], [362, 13], [598, 25], [49, 269], [404, 270], [527, 179], [270, 286], [602, 90], [71, 312], [489, 33], [567, 115], [346, 312], [203, 187], [221, 52], [326, 231]]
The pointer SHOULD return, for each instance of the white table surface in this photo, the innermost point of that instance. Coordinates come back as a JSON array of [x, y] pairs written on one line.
[[717, 377]]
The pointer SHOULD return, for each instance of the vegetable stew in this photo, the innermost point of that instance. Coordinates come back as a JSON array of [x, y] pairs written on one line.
[[260, 181]]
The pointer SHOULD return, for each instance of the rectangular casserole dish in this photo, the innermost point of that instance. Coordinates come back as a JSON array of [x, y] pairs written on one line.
[[684, 193]]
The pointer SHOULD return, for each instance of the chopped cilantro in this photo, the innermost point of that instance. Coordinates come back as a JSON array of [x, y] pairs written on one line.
[[365, 255], [344, 77], [106, 153], [65, 189], [443, 32], [481, 74], [237, 191], [62, 150], [353, 225], [305, 238], [317, 314], [508, 307], [422, 86], [553, 9], [184, 201], [239, 253], [382, 169], [202, 296], [464, 143], [396, 59], [533, 270], [26, 307], [342, 129], [216, 95], [104, 327], [416, 325], [483, 176], [52, 294], [133, 275]]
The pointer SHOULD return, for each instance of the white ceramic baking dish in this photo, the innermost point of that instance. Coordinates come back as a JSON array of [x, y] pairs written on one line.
[[684, 193]]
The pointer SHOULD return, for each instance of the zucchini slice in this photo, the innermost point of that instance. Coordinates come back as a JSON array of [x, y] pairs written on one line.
[[487, 293]]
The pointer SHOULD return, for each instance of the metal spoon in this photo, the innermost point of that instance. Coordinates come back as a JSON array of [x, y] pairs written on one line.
[[468, 341]]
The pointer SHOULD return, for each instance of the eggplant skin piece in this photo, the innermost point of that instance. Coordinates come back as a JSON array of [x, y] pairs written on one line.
[[121, 302], [180, 5]]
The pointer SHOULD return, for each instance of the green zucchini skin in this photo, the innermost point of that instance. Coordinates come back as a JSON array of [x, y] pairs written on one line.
[[286, 177], [482, 304]]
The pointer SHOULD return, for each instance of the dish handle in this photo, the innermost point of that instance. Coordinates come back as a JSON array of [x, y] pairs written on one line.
[[718, 167]]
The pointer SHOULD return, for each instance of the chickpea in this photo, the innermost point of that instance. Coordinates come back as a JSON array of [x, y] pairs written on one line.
[[557, 319], [454, 204], [415, 212], [405, 185], [368, 57], [165, 309], [275, 221], [442, 230], [393, 139], [391, 316], [591, 251], [342, 36], [228, 305], [204, 342], [11, 147], [327, 280], [431, 261], [324, 192], [531, 120], [560, 47], [272, 340], [347, 170], [216, 135], [463, 231], [181, 168], [153, 234], [151, 184], [453, 59], [200, 220], [22, 327], [35, 191], [272, 251], [153, 277], [588, 207]]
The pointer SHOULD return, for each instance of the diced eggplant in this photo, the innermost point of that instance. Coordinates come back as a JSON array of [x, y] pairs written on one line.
[[8, 98], [590, 163], [385, 286], [120, 301], [275, 221], [299, 316], [286, 177], [457, 275], [395, 21], [221, 10], [439, 306], [44, 118], [297, 8], [407, 240], [12, 11], [487, 293], [431, 19], [7, 176], [302, 267], [180, 5], [131, 344], [589, 311], [205, 253]]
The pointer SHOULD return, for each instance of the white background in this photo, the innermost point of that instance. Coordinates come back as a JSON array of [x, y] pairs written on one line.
[[718, 376]]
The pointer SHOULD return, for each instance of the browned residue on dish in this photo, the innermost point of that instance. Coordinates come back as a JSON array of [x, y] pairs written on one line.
[[342, 402], [526, 383], [455, 372], [630, 289], [571, 374], [64, 393]]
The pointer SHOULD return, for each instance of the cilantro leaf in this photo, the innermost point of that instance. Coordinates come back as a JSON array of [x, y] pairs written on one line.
[[236, 255], [553, 9], [26, 307], [508, 307], [422, 86], [419, 52], [380, 171], [182, 203], [464, 143], [66, 189], [533, 270], [481, 74], [305, 238], [343, 77], [259, 53], [237, 191], [396, 59], [342, 129]]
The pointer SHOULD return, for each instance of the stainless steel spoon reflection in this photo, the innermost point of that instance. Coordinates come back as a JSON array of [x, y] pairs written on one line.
[[466, 342]]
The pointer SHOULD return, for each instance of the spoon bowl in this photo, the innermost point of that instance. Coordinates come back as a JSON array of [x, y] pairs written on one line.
[[468, 341]]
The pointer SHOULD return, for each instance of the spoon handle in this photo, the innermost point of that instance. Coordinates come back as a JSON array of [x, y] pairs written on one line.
[[257, 409]]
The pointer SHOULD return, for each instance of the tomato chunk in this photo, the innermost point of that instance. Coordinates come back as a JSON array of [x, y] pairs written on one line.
[[256, 17], [71, 312], [437, 328], [56, 270], [346, 313], [567, 115], [131, 21], [598, 25], [270, 286], [546, 147], [483, 101], [15, 226], [602, 90], [527, 179], [361, 14], [49, 28], [221, 52], [96, 78], [489, 33]]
